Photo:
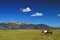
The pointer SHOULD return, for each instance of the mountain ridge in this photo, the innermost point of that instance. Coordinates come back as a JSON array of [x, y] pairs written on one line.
[[24, 25]]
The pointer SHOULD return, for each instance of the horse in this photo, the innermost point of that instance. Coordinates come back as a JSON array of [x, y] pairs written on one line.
[[47, 32]]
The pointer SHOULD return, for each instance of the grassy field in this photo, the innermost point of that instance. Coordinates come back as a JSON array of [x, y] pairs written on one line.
[[28, 35]]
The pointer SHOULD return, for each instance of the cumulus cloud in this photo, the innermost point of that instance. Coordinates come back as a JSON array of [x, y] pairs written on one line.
[[59, 15], [37, 14], [26, 9]]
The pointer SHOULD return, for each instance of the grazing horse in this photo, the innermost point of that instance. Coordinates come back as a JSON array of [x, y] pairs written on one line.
[[47, 32]]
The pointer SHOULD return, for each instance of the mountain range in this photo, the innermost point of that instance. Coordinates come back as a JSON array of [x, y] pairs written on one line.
[[25, 25]]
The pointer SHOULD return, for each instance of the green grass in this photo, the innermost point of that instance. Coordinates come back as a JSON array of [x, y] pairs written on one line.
[[28, 35]]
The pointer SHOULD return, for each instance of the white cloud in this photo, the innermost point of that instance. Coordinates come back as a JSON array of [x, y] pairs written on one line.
[[59, 15], [26, 9], [37, 14]]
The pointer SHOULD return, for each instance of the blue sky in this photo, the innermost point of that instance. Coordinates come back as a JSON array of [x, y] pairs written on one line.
[[32, 11]]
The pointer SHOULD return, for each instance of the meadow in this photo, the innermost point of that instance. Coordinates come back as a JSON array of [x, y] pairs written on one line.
[[28, 35]]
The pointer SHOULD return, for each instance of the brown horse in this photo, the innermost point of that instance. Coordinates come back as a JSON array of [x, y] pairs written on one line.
[[47, 32]]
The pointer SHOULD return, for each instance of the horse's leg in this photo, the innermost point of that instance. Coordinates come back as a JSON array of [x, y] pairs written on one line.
[[51, 33], [46, 33]]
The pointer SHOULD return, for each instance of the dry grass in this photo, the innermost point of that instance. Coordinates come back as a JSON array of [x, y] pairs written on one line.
[[28, 35]]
